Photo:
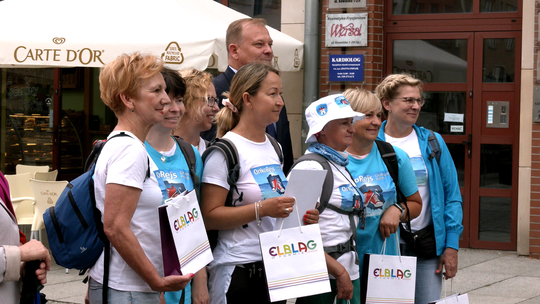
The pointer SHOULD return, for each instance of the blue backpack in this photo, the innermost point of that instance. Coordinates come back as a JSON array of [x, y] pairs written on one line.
[[74, 227]]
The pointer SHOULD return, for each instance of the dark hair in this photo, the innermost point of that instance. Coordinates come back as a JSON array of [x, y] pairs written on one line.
[[176, 86]]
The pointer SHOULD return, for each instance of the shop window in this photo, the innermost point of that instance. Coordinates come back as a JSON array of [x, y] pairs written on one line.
[[270, 10], [432, 61], [498, 6], [413, 7]]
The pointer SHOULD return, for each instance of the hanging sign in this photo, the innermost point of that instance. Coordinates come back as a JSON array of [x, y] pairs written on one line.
[[344, 30], [347, 3], [346, 67]]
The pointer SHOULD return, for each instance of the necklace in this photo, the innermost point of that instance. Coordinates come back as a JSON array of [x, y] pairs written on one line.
[[162, 158]]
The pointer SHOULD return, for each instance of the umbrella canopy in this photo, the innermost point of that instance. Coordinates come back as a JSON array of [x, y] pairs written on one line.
[[75, 33]]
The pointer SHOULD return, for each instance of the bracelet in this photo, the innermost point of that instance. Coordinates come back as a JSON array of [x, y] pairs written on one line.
[[402, 209], [258, 205]]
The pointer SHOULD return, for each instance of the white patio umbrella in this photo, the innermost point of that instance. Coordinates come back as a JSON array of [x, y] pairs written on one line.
[[76, 33]]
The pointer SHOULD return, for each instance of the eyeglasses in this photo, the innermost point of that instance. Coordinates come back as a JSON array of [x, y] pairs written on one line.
[[210, 101], [410, 100]]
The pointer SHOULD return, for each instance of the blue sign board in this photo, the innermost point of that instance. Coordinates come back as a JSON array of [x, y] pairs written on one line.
[[346, 67]]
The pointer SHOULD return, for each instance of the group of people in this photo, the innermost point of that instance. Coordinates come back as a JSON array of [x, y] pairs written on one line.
[[157, 107]]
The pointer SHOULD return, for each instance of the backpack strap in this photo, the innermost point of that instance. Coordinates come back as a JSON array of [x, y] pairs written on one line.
[[189, 156], [390, 160], [434, 146], [228, 149], [277, 147], [328, 184]]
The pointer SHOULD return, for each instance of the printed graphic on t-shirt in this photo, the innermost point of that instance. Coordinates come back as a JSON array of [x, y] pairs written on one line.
[[349, 198], [173, 181], [271, 180], [419, 170], [377, 190]]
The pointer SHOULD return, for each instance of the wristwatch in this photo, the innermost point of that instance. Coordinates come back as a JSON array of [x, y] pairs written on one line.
[[401, 208]]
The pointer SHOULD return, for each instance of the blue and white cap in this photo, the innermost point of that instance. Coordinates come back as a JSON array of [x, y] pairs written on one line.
[[326, 109]]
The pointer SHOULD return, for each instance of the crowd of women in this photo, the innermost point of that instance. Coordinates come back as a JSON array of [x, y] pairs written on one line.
[[156, 106]]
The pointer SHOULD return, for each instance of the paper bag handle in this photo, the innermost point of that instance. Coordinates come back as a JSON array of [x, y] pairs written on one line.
[[297, 215], [383, 249]]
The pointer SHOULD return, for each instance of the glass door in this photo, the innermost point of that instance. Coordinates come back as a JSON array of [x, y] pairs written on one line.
[[472, 101], [444, 63], [495, 140]]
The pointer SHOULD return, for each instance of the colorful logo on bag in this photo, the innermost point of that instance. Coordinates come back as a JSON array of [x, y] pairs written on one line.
[[292, 249], [398, 274], [322, 109], [341, 101], [185, 220]]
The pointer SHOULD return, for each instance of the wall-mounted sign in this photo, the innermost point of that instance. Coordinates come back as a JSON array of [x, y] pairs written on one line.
[[346, 30], [346, 68], [346, 3]]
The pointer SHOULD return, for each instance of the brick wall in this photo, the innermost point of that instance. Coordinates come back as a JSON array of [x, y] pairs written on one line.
[[534, 235], [373, 52]]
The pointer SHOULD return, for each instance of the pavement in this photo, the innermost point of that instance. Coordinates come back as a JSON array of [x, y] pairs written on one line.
[[487, 276]]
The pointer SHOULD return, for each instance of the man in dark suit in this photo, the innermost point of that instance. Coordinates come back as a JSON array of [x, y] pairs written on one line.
[[248, 41]]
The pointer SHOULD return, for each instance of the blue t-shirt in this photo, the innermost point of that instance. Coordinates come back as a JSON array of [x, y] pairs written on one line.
[[173, 176], [379, 192]]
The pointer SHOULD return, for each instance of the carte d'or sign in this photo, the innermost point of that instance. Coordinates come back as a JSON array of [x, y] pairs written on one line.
[[85, 56]]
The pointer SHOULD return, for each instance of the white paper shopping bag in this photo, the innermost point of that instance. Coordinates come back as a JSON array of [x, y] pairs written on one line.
[[457, 298], [184, 243], [294, 262], [387, 278], [453, 299]]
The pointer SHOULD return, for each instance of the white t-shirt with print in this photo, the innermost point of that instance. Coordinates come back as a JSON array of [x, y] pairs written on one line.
[[124, 161], [336, 227], [410, 145], [260, 177]]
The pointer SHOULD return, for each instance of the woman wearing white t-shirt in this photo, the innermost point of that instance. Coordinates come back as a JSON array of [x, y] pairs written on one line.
[[330, 121], [133, 87], [201, 106], [237, 274], [440, 221], [171, 170]]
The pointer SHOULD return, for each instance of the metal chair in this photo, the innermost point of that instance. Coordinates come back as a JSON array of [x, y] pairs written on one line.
[[46, 194], [46, 176], [29, 168], [22, 197]]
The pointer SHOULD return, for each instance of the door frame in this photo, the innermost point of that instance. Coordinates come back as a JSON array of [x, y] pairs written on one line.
[[473, 126]]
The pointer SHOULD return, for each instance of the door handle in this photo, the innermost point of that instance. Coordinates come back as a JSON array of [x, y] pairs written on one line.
[[468, 143]]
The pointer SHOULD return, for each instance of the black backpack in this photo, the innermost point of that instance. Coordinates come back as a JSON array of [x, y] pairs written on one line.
[[228, 148]]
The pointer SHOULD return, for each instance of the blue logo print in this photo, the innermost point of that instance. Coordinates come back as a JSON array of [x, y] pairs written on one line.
[[341, 101], [322, 109]]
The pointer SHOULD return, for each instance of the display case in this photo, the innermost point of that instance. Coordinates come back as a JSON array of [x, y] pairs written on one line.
[[29, 141]]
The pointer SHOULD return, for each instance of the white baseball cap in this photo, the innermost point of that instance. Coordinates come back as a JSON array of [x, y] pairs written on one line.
[[326, 109]]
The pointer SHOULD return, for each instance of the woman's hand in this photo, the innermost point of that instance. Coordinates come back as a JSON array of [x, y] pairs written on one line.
[[344, 285], [172, 283], [311, 217], [277, 206], [34, 250], [389, 223]]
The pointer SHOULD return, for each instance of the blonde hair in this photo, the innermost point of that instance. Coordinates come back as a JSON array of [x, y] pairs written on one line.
[[363, 101], [125, 75], [197, 83], [248, 79], [388, 88]]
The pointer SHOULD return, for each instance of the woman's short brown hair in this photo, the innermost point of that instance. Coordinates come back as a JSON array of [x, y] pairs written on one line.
[[125, 75]]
